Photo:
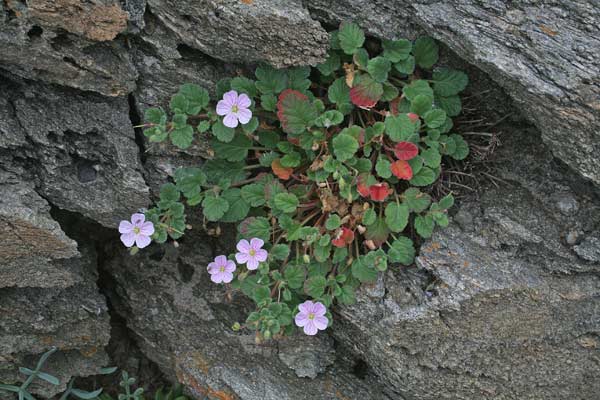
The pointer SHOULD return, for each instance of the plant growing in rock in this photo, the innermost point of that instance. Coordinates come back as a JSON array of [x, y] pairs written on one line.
[[327, 172], [22, 391]]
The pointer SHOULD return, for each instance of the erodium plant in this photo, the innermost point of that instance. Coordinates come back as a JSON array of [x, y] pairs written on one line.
[[327, 171]]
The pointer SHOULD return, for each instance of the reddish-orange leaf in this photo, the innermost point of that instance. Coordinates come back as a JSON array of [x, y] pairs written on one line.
[[361, 185], [343, 237], [282, 172], [379, 191], [406, 151], [365, 92], [288, 102], [402, 170]]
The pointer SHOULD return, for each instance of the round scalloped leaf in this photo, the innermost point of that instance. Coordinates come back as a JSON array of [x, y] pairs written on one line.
[[402, 170], [238, 207], [424, 225], [214, 208], [396, 50], [383, 168], [432, 157], [235, 150], [365, 91], [452, 105], [402, 251], [255, 227], [378, 232], [400, 128], [254, 194], [378, 68], [416, 88], [182, 137], [286, 202], [330, 65], [406, 67], [222, 132], [406, 151], [350, 37], [448, 82], [295, 112], [396, 216], [425, 177], [421, 104], [270, 80], [344, 146], [362, 271], [462, 148], [426, 52], [416, 200], [435, 118]]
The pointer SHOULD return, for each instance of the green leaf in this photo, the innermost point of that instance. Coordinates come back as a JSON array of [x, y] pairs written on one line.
[[396, 50], [365, 91], [251, 126], [155, 116], [421, 104], [262, 295], [347, 296], [432, 157], [396, 216], [315, 286], [452, 105], [390, 92], [294, 276], [416, 200], [377, 232], [196, 96], [362, 271], [286, 202], [400, 128], [446, 202], [295, 112], [416, 88], [339, 92], [361, 58], [268, 102], [280, 251], [448, 82], [424, 225], [270, 80], [426, 52], [291, 159], [254, 194], [330, 65], [462, 148], [297, 78], [377, 259], [406, 67], [333, 222], [84, 395], [182, 137], [222, 132], [330, 118], [214, 207], [378, 68], [344, 146], [238, 207], [203, 126], [424, 177], [244, 85], [255, 227], [236, 150], [435, 118], [350, 37], [402, 251], [383, 168], [178, 103], [369, 217]]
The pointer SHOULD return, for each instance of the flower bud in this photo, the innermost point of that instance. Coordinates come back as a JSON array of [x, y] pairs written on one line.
[[236, 327], [361, 229], [306, 258]]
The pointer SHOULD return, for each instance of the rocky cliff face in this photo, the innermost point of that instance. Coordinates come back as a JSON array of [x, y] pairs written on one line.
[[504, 304]]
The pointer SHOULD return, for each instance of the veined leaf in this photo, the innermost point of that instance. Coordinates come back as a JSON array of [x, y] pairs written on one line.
[[295, 112], [365, 91]]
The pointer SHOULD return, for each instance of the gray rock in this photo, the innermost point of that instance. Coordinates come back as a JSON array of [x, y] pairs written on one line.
[[56, 42], [78, 148], [307, 356], [589, 248], [183, 323], [278, 32], [541, 53]]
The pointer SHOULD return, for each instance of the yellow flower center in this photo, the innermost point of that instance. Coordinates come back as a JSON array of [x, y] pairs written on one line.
[[235, 109], [252, 252], [136, 230], [311, 316], [221, 269]]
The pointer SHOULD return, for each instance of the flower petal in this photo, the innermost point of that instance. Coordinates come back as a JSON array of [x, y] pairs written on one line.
[[301, 319], [212, 268], [252, 263], [128, 239], [227, 277], [321, 322], [244, 115], [306, 307], [243, 246], [223, 108], [230, 266], [261, 255], [243, 101], [147, 228], [138, 218], [256, 243], [125, 227], [230, 120], [221, 260], [241, 258], [230, 97], [217, 278], [319, 309], [142, 241], [310, 328]]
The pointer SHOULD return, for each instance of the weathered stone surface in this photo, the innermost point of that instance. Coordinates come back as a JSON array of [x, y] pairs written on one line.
[[79, 149], [279, 32], [74, 319], [508, 309], [183, 323], [32, 241], [542, 53], [38, 43]]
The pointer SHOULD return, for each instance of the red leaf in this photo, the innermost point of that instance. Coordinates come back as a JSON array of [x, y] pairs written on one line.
[[294, 111], [343, 237], [362, 185], [402, 170], [413, 117], [379, 191], [282, 172], [366, 92], [406, 151]]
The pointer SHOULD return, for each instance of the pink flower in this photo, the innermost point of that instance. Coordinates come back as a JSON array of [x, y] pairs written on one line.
[[137, 231], [234, 108], [251, 253], [311, 317], [221, 270]]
